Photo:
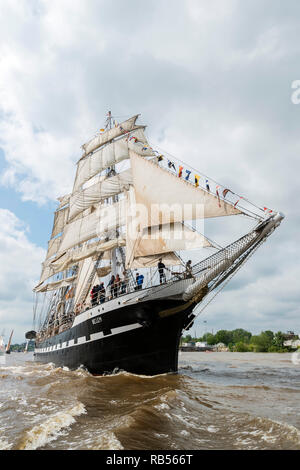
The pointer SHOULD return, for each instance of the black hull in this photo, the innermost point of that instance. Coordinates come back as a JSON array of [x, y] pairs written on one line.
[[141, 339]]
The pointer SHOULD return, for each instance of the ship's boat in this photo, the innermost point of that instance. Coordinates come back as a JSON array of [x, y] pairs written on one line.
[[117, 288]]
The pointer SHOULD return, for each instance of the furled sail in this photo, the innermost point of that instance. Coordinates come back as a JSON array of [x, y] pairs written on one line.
[[167, 198], [103, 219], [169, 237], [92, 195], [109, 155], [60, 220], [63, 201], [55, 285], [74, 256], [169, 259], [47, 271], [103, 271], [110, 134]]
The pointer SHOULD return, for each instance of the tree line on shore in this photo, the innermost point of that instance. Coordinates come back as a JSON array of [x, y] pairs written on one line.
[[21, 347], [240, 340]]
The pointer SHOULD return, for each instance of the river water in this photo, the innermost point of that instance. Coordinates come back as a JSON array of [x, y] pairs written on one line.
[[216, 401]]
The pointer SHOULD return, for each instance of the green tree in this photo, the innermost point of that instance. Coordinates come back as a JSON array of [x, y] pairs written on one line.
[[187, 339], [263, 341], [241, 335], [209, 338], [241, 347], [223, 336], [278, 340]]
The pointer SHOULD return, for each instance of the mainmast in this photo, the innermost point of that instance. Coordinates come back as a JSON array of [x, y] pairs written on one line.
[[114, 199]]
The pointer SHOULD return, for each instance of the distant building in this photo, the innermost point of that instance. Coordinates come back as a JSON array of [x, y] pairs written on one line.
[[290, 335], [221, 347], [294, 344]]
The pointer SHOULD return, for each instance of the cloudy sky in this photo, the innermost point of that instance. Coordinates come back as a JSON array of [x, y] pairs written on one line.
[[213, 81]]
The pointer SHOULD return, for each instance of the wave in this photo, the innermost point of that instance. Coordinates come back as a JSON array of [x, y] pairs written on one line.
[[264, 432], [50, 429], [4, 444], [107, 441]]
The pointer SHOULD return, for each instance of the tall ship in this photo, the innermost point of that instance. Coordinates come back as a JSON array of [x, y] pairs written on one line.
[[118, 286]]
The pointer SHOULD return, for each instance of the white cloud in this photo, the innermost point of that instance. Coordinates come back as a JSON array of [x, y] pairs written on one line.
[[20, 268]]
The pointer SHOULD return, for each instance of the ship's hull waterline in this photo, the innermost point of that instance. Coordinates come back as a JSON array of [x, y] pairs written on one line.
[[141, 337]]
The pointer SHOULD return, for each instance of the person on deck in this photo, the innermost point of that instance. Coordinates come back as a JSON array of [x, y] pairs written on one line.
[[161, 269], [124, 282], [117, 285], [139, 281], [101, 293], [94, 293], [110, 287], [188, 269]]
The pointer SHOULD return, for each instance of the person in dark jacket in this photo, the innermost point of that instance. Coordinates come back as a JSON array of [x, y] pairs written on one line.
[[161, 269], [139, 281], [94, 294], [101, 293]]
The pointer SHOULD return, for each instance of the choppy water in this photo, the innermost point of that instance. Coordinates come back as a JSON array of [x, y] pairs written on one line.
[[217, 401]]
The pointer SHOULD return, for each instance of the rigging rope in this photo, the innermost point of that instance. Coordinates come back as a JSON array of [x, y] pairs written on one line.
[[240, 264]]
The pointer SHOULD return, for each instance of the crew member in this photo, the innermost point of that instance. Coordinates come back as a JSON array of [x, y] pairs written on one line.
[[139, 281], [188, 269], [161, 269]]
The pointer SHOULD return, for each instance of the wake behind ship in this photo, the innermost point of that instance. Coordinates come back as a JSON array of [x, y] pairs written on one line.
[[115, 292]]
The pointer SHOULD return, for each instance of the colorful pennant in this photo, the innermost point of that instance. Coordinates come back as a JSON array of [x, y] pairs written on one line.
[[218, 196], [171, 165], [188, 172]]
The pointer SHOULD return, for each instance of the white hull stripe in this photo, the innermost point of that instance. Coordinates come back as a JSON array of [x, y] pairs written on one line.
[[82, 339]]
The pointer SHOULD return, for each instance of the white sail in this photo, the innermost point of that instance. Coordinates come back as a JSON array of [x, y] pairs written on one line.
[[167, 198], [60, 220], [102, 220], [85, 271], [159, 239], [92, 195], [53, 246], [110, 134], [9, 342], [109, 155]]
